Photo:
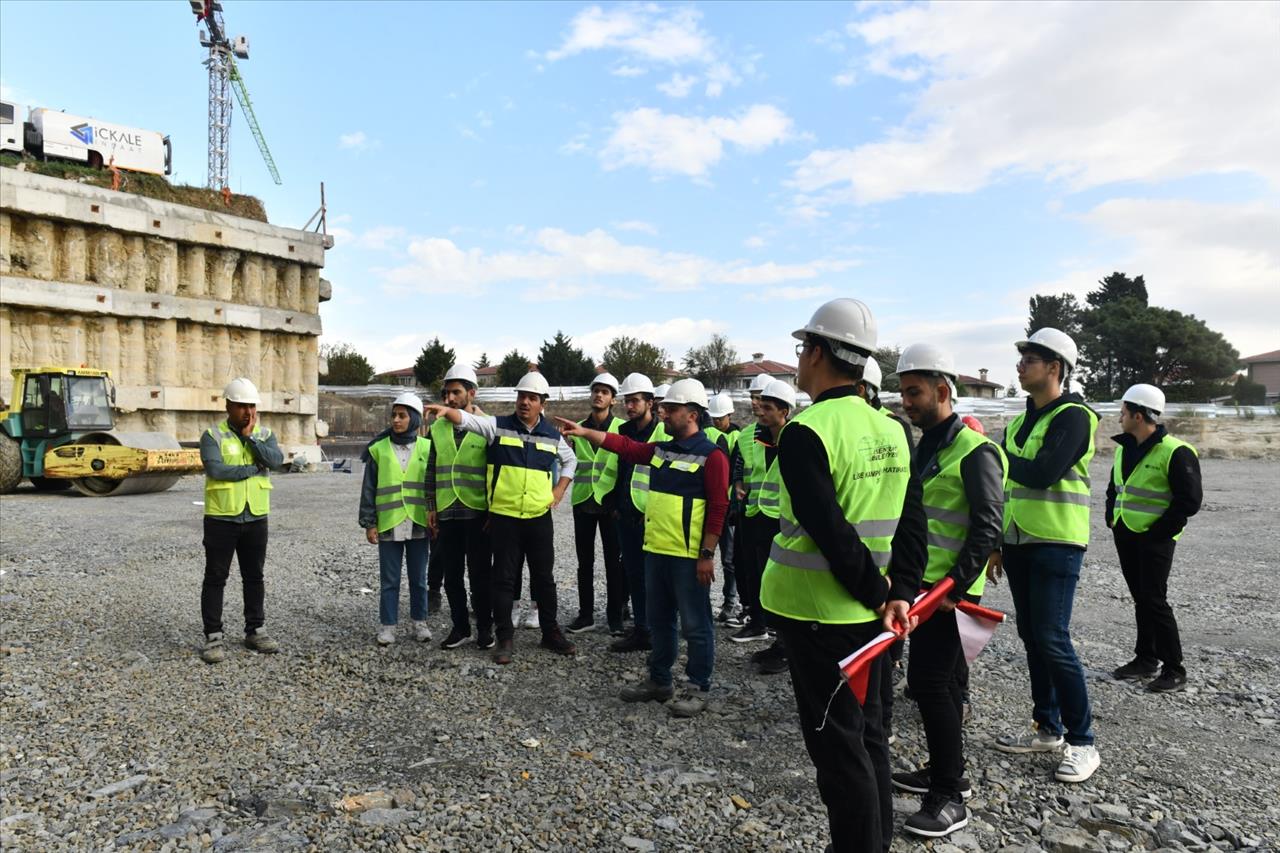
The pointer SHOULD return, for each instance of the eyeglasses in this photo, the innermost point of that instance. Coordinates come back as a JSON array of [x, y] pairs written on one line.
[[1028, 360], [802, 347]]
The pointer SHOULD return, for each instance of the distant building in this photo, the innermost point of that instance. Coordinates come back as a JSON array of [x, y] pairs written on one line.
[[980, 386], [403, 376], [1265, 370], [748, 371], [486, 377]]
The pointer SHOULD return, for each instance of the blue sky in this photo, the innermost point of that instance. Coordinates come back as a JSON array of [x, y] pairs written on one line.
[[496, 172]]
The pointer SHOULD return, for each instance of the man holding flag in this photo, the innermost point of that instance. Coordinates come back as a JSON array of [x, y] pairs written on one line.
[[849, 510], [962, 473]]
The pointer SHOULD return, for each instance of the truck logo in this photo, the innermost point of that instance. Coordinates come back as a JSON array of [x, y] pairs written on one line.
[[83, 132]]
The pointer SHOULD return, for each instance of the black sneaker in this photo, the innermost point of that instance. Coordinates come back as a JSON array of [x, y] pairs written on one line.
[[1168, 682], [918, 782], [582, 623], [484, 639], [737, 620], [938, 816], [504, 653], [456, 638], [636, 641], [1136, 668], [555, 641], [749, 633], [617, 630], [771, 661], [435, 600], [727, 611]]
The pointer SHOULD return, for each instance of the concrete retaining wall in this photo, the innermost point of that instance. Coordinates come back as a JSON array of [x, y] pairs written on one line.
[[173, 300]]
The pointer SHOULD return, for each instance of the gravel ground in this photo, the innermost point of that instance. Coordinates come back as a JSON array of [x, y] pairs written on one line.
[[116, 736]]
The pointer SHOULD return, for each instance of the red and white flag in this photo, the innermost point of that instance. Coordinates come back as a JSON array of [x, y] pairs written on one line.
[[977, 625]]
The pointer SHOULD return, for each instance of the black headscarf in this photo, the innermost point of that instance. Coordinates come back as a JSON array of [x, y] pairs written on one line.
[[409, 436]]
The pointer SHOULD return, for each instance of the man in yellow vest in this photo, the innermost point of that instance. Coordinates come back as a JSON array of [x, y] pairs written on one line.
[[845, 565], [1154, 488], [684, 514], [457, 504], [238, 455], [523, 449], [596, 476], [1046, 531], [962, 473]]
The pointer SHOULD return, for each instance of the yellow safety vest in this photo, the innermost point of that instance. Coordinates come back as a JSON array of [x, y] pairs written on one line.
[[1060, 513], [460, 467], [1146, 495], [400, 494], [228, 498]]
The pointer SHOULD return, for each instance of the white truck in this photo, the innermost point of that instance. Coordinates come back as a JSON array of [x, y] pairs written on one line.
[[13, 118], [53, 134]]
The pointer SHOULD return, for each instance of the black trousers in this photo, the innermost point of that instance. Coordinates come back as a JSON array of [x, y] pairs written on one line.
[[248, 544], [757, 539], [850, 752], [892, 657], [585, 524], [515, 540], [435, 572], [936, 656], [462, 548], [1146, 565]]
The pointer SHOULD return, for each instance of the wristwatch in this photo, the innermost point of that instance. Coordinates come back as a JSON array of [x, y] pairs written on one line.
[[706, 553]]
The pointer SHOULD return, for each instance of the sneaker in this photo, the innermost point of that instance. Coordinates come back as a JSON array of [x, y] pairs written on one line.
[[1168, 682], [750, 632], [484, 639], [1032, 741], [531, 618], [771, 661], [214, 651], [636, 641], [386, 635], [503, 655], [918, 782], [1136, 668], [938, 816], [646, 691], [737, 620], [617, 630], [727, 611], [261, 642], [1078, 763], [456, 638], [421, 632], [556, 642], [582, 623], [691, 703]]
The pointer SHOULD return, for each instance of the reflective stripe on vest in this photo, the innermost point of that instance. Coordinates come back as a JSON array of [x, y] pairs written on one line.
[[519, 468], [640, 473], [594, 466], [1060, 513], [460, 467], [1146, 495], [400, 494], [946, 506], [677, 500], [228, 498], [869, 464], [762, 481]]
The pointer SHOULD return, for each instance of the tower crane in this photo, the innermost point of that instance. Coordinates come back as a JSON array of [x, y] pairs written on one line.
[[224, 77]]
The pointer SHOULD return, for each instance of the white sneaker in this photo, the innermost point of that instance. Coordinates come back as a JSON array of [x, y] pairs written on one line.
[[531, 618], [1032, 741], [386, 635], [421, 632], [1078, 763]]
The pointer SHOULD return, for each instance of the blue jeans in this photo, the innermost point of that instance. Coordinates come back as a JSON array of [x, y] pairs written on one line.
[[1042, 581], [671, 584], [413, 553], [631, 542]]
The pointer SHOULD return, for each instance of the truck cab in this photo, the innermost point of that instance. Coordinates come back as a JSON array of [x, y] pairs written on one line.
[[13, 118]]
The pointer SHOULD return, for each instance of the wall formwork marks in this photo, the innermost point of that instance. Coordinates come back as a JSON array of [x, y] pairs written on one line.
[[175, 301]]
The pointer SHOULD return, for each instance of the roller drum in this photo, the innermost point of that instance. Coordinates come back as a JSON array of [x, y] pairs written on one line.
[[138, 484]]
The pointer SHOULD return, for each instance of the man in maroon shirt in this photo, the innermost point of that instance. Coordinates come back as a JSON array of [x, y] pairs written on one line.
[[684, 514]]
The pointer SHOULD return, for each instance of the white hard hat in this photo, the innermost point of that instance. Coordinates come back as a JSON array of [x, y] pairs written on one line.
[[927, 358], [462, 373], [241, 390], [872, 374], [686, 391], [720, 405], [607, 380], [848, 325], [535, 382], [660, 392], [1147, 396], [1056, 342], [409, 400], [636, 383], [757, 384], [781, 391]]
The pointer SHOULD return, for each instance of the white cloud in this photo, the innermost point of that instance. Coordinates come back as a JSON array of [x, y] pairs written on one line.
[[1079, 93], [380, 237], [845, 78], [625, 70], [754, 242], [675, 335], [439, 265], [650, 32], [789, 294], [689, 145], [357, 141], [678, 86], [637, 225]]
